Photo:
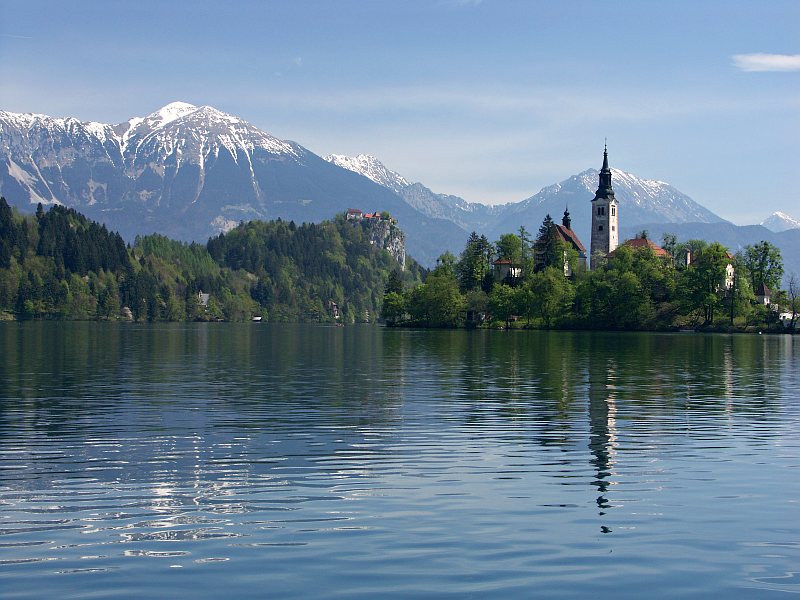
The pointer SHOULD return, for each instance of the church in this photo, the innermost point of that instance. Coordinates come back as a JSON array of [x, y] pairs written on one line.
[[605, 222], [605, 217]]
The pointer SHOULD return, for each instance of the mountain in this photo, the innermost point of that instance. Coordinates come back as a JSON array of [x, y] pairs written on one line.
[[190, 172], [780, 221], [371, 168], [646, 204], [641, 201], [469, 216]]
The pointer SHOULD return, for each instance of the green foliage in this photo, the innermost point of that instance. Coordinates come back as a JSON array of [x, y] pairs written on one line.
[[509, 247], [548, 249], [394, 307], [60, 265], [299, 270], [551, 294], [502, 303], [438, 302], [764, 265], [475, 262]]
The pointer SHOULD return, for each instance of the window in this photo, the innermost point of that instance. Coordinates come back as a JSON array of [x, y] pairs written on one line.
[[613, 211], [599, 228], [601, 210], [613, 228]]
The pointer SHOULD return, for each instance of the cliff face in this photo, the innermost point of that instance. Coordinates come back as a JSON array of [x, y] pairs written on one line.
[[387, 235]]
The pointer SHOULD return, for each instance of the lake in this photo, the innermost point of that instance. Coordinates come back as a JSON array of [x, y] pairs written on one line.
[[292, 461]]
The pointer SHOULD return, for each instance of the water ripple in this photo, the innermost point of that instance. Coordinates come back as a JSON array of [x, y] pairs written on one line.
[[372, 462]]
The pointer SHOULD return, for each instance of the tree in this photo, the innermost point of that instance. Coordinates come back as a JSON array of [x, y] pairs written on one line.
[[437, 302], [552, 294], [501, 303], [473, 264], [631, 307], [703, 282], [524, 242], [509, 247], [394, 307], [477, 305], [394, 283], [764, 264], [548, 249], [446, 264]]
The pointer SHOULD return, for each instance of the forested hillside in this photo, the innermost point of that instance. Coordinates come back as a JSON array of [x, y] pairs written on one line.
[[60, 265]]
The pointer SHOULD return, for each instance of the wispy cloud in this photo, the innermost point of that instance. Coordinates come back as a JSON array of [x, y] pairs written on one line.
[[767, 62]]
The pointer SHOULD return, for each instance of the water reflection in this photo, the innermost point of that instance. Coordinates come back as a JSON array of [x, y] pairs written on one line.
[[435, 460], [602, 426]]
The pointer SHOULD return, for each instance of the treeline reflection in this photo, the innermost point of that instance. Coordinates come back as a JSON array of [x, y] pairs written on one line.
[[248, 400]]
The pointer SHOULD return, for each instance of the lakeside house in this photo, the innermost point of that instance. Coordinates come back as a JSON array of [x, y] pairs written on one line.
[[763, 294], [504, 270]]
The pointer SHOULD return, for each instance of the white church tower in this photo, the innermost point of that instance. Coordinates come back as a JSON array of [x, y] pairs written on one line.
[[605, 217]]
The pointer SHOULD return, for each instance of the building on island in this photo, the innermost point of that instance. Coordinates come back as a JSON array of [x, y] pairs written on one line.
[[763, 294], [605, 217], [570, 238], [506, 271], [642, 242]]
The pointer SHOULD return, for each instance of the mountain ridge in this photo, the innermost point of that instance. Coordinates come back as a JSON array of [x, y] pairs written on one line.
[[190, 172]]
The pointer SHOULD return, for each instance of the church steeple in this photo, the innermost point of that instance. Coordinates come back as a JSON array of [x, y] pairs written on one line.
[[605, 219], [604, 189], [566, 221]]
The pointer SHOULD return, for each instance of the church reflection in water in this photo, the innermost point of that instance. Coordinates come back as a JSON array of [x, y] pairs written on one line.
[[603, 430]]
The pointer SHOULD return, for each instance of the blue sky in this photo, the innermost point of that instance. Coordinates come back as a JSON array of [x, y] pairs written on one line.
[[487, 99]]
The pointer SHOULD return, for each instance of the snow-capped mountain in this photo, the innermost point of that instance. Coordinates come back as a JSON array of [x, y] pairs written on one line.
[[163, 158], [641, 201], [188, 172], [780, 221], [467, 215], [371, 168], [191, 171]]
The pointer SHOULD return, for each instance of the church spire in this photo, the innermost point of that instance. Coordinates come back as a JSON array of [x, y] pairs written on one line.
[[604, 190], [566, 221]]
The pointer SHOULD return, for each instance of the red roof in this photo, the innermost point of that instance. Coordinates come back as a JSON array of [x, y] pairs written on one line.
[[637, 243], [569, 236], [353, 211], [502, 261]]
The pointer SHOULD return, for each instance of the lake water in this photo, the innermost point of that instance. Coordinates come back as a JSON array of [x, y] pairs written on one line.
[[211, 460]]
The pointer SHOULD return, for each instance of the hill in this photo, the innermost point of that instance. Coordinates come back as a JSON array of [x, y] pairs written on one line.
[[60, 265]]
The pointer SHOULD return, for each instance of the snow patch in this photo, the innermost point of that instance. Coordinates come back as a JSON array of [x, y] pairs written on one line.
[[26, 180]]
